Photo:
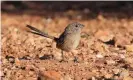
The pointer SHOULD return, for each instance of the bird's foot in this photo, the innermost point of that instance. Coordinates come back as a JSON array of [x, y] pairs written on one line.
[[75, 59]]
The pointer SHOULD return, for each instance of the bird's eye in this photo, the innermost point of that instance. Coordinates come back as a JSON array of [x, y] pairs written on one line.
[[76, 25]]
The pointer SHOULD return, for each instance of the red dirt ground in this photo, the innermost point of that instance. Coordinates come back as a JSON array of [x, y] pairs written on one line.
[[105, 51]]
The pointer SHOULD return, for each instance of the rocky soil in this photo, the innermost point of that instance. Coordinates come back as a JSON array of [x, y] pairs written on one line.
[[105, 51]]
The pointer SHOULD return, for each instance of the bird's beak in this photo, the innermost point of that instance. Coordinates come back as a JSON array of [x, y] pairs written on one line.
[[83, 26]]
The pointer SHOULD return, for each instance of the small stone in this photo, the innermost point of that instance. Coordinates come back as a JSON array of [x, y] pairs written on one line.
[[101, 17], [84, 79], [4, 39], [17, 61], [93, 78], [129, 60], [121, 40], [31, 55], [99, 56], [110, 62], [2, 73], [101, 48], [20, 77], [31, 41], [122, 56], [9, 74], [129, 48], [116, 71], [13, 68], [40, 55], [67, 77], [75, 52], [49, 20], [19, 42], [114, 54], [11, 59], [53, 45], [124, 73], [104, 36], [58, 56], [31, 73], [49, 40], [94, 71], [5, 69], [50, 75], [108, 76], [15, 29], [131, 65], [4, 61], [128, 78]]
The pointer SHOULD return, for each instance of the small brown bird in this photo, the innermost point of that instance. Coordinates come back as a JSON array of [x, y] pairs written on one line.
[[68, 40]]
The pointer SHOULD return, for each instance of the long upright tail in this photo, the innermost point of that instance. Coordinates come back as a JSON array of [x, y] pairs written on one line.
[[38, 32]]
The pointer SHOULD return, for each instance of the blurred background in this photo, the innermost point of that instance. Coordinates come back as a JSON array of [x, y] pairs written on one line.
[[61, 13], [107, 53], [87, 9]]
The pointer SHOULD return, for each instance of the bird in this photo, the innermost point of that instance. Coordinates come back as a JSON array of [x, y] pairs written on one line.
[[67, 41]]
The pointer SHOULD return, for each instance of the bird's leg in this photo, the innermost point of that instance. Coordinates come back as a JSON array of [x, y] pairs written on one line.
[[75, 58], [62, 55]]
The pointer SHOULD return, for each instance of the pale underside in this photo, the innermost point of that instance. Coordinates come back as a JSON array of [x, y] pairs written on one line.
[[68, 42]]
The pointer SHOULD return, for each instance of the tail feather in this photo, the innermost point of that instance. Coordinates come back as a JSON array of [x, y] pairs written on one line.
[[38, 32]]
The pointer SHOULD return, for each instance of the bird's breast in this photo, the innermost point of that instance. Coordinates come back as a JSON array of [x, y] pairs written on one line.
[[69, 42]]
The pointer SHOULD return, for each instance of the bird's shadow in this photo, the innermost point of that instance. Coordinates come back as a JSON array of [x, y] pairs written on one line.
[[44, 57]]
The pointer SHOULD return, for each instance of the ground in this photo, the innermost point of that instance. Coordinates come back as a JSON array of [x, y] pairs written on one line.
[[105, 51]]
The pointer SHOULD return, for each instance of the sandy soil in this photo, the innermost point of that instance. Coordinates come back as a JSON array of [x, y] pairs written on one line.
[[105, 51]]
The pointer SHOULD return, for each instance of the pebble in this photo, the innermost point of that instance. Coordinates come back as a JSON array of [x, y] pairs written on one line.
[[50, 75], [93, 78], [67, 77], [11, 59], [108, 76], [124, 73], [116, 71], [31, 73], [58, 56], [122, 56], [129, 48], [40, 55], [99, 56], [104, 36], [49, 20], [15, 29], [4, 61], [109, 62]]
